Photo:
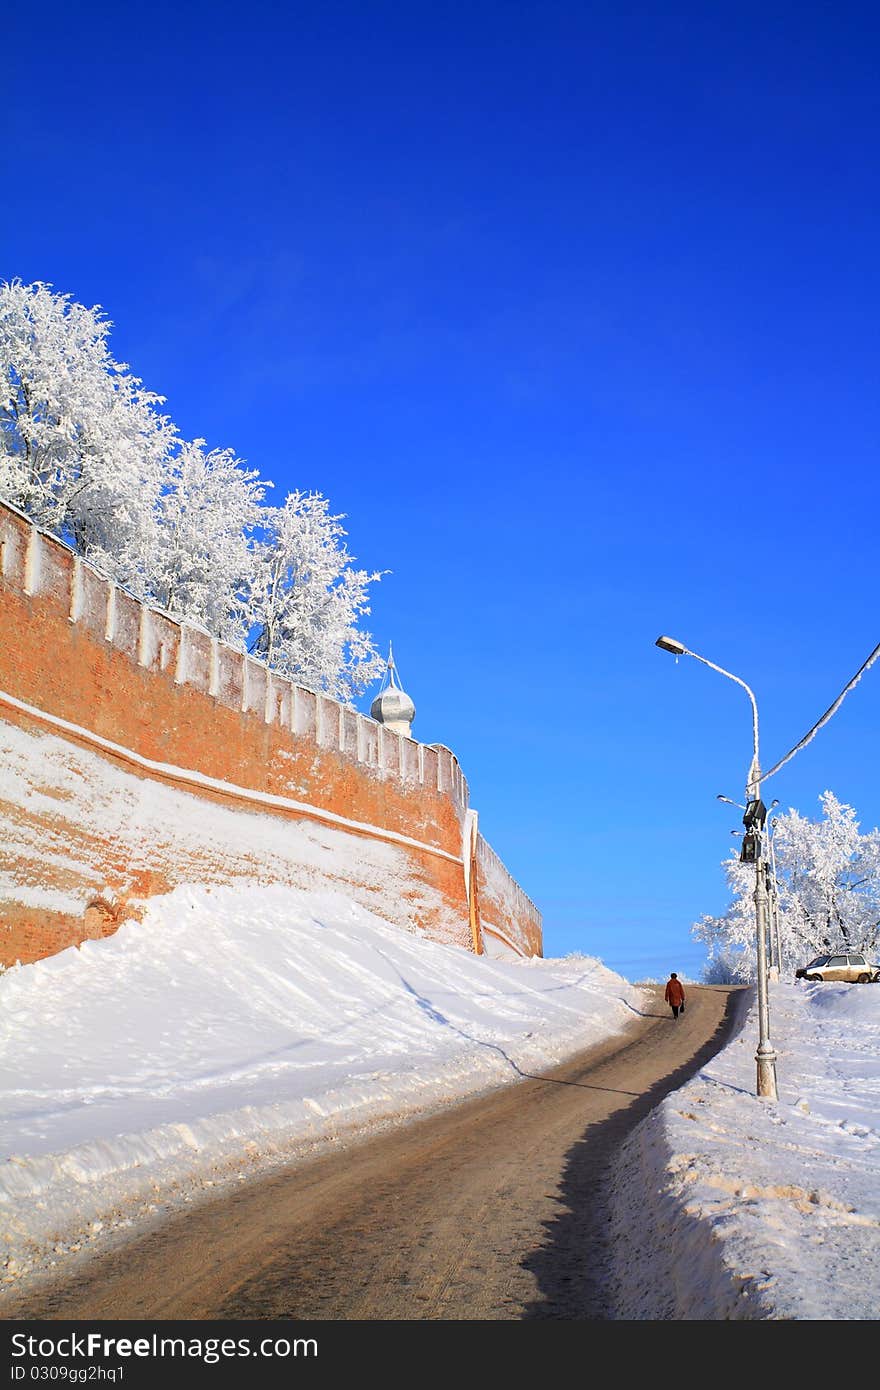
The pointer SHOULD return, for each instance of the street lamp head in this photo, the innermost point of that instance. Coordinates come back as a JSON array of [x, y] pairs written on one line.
[[669, 644]]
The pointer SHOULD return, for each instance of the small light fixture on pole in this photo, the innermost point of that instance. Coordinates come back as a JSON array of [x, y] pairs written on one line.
[[772, 889], [753, 819]]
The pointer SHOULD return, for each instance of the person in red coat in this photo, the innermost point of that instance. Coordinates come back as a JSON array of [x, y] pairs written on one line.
[[675, 995]]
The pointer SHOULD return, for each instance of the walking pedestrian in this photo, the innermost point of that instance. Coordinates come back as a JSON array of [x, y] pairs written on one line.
[[675, 995]]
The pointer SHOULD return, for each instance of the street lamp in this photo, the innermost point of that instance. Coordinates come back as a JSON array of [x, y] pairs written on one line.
[[755, 815], [730, 801]]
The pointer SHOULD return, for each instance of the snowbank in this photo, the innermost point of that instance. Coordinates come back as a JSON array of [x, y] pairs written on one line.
[[727, 1206], [234, 1027]]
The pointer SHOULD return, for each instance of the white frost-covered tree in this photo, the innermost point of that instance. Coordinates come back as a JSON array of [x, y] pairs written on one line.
[[83, 447], [201, 555], [86, 453], [306, 600], [828, 887], [830, 878]]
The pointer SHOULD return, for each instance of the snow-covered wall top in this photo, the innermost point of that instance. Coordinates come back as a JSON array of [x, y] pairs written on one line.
[[84, 659]]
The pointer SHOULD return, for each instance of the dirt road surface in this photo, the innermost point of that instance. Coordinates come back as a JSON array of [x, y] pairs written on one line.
[[492, 1209]]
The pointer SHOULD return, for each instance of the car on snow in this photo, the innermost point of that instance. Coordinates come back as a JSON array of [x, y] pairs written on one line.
[[852, 968]]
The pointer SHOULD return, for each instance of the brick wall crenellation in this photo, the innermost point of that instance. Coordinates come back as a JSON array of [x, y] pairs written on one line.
[[41, 569]]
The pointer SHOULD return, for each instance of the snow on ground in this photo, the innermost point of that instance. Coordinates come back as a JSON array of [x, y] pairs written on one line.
[[235, 1028], [752, 1209], [238, 1026]]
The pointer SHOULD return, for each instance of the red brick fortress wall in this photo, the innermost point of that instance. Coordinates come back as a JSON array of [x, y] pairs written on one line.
[[134, 696], [509, 920]]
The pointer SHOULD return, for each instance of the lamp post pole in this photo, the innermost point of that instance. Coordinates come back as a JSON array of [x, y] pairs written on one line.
[[766, 1054], [776, 937], [765, 1057]]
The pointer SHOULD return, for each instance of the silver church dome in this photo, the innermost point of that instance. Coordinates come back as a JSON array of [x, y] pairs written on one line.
[[392, 706]]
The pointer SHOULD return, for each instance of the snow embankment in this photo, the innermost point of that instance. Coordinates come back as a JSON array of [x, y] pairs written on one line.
[[236, 1027], [726, 1206]]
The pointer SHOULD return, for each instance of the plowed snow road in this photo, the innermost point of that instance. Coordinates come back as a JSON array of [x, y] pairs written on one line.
[[490, 1210]]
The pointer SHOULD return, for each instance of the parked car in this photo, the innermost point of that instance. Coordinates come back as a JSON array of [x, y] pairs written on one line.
[[853, 968]]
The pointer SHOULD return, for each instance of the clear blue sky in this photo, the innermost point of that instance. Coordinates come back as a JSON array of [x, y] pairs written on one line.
[[573, 310]]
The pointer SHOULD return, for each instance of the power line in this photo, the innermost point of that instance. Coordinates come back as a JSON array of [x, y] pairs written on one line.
[[811, 734]]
